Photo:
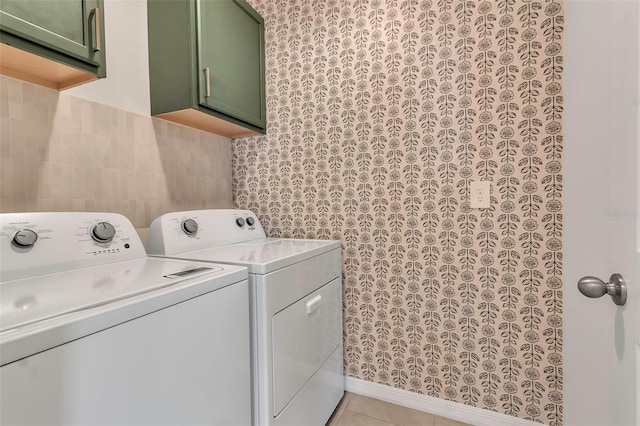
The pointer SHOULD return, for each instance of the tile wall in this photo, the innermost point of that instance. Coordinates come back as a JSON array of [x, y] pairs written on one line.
[[62, 153]]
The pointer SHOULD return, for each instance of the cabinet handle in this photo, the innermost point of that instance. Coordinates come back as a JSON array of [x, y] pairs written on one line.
[[207, 82], [96, 35]]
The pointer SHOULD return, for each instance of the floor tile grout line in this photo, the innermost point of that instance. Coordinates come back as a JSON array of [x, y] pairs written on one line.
[[348, 399], [389, 404], [371, 417]]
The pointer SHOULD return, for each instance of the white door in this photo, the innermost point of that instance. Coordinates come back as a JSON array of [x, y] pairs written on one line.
[[602, 235]]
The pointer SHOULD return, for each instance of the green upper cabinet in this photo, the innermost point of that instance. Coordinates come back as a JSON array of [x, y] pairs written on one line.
[[206, 65], [231, 49], [57, 43]]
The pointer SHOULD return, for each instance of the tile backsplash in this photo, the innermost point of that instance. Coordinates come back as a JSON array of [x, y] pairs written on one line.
[[63, 153]]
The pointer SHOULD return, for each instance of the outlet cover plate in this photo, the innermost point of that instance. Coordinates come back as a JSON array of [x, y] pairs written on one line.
[[480, 194]]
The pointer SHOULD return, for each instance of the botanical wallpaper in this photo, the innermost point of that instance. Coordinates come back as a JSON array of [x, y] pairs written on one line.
[[380, 114]]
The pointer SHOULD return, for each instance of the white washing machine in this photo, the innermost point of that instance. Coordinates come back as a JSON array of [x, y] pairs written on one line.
[[94, 332], [296, 293]]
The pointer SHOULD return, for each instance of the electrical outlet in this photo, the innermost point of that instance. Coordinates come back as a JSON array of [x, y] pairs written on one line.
[[480, 194]]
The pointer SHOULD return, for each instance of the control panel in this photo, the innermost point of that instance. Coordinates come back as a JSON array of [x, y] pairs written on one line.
[[177, 232], [38, 243]]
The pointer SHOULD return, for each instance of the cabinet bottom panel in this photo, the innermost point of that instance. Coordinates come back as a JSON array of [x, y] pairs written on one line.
[[208, 123]]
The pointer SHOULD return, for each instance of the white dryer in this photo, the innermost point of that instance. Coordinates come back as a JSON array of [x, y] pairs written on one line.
[[296, 293], [94, 332]]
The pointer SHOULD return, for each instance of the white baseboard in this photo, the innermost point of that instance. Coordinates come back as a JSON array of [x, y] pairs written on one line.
[[428, 404]]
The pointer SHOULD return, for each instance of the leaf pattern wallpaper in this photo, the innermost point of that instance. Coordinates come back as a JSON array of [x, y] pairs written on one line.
[[380, 114]]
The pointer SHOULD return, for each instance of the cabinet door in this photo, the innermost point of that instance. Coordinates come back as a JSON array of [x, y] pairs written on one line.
[[71, 27], [231, 59]]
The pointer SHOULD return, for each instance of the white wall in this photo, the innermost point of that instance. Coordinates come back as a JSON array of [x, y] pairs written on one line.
[[638, 232], [601, 162], [127, 83]]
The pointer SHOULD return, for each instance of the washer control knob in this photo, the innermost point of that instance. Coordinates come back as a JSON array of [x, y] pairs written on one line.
[[189, 226], [240, 221], [103, 232], [25, 238], [251, 221]]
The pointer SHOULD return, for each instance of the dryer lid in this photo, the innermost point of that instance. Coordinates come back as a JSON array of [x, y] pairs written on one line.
[[264, 255]]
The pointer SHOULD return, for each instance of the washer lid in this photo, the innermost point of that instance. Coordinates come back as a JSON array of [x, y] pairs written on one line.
[[33, 300], [264, 255]]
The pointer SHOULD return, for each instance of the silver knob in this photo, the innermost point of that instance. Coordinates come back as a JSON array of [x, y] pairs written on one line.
[[595, 287], [189, 226], [25, 238], [103, 232], [240, 222], [250, 221]]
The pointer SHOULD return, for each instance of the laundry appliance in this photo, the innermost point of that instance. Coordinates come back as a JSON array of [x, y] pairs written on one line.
[[296, 306], [92, 331]]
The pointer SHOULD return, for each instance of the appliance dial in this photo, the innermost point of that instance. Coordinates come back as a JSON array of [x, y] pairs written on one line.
[[250, 221], [189, 226], [25, 238], [240, 221], [103, 232]]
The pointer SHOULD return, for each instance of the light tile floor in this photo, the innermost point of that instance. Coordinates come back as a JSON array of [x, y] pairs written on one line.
[[356, 410]]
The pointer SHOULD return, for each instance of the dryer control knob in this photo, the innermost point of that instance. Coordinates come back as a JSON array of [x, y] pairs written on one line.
[[251, 221], [189, 226], [103, 232], [240, 221], [25, 238]]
